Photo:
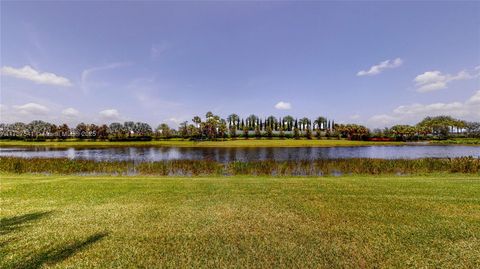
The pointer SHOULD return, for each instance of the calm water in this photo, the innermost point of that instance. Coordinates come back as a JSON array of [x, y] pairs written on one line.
[[246, 154]]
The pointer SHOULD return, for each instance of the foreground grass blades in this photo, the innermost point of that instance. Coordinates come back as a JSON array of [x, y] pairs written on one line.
[[328, 222], [18, 165]]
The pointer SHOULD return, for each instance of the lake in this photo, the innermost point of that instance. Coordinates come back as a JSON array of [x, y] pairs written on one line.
[[245, 154]]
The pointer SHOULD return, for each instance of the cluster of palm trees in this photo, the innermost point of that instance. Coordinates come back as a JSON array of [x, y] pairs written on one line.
[[213, 127], [440, 126]]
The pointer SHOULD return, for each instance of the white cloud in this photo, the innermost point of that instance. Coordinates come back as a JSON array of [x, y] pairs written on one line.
[[381, 120], [379, 68], [28, 73], [283, 105], [31, 109], [70, 112], [469, 110], [435, 108], [109, 114], [435, 80], [475, 99]]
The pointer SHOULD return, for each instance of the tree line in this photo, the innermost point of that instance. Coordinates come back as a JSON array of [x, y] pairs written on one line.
[[441, 127], [213, 127]]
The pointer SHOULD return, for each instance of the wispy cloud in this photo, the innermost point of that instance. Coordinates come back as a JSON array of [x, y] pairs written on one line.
[[88, 72], [175, 121], [29, 73], [283, 105], [355, 117], [435, 80], [379, 68], [147, 92], [158, 49]]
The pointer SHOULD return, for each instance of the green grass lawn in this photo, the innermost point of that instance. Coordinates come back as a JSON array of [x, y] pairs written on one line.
[[186, 143], [327, 222]]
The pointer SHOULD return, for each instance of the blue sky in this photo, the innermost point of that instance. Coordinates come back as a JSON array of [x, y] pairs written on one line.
[[374, 63]]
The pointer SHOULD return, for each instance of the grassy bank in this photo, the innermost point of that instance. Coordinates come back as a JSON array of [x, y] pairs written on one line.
[[258, 168], [187, 143], [458, 141], [329, 222]]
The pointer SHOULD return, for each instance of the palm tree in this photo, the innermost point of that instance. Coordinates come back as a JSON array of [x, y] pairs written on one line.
[[321, 123], [183, 129], [164, 130], [233, 131], [404, 132], [252, 121], [271, 121], [303, 123], [288, 120], [210, 127], [222, 128], [197, 120], [198, 123], [232, 119], [208, 115]]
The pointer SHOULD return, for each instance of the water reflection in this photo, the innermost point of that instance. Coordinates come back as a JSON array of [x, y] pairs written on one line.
[[246, 154]]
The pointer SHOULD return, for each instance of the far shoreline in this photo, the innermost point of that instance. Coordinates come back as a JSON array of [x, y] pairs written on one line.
[[230, 143]]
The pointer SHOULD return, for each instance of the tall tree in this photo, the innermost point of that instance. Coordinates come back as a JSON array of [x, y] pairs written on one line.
[[321, 123], [303, 123], [102, 132], [233, 119], [116, 130], [81, 130], [252, 121], [288, 122], [63, 131], [164, 130]]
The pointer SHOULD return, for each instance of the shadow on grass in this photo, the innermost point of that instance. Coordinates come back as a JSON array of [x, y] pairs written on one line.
[[8, 225], [47, 257], [58, 254]]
